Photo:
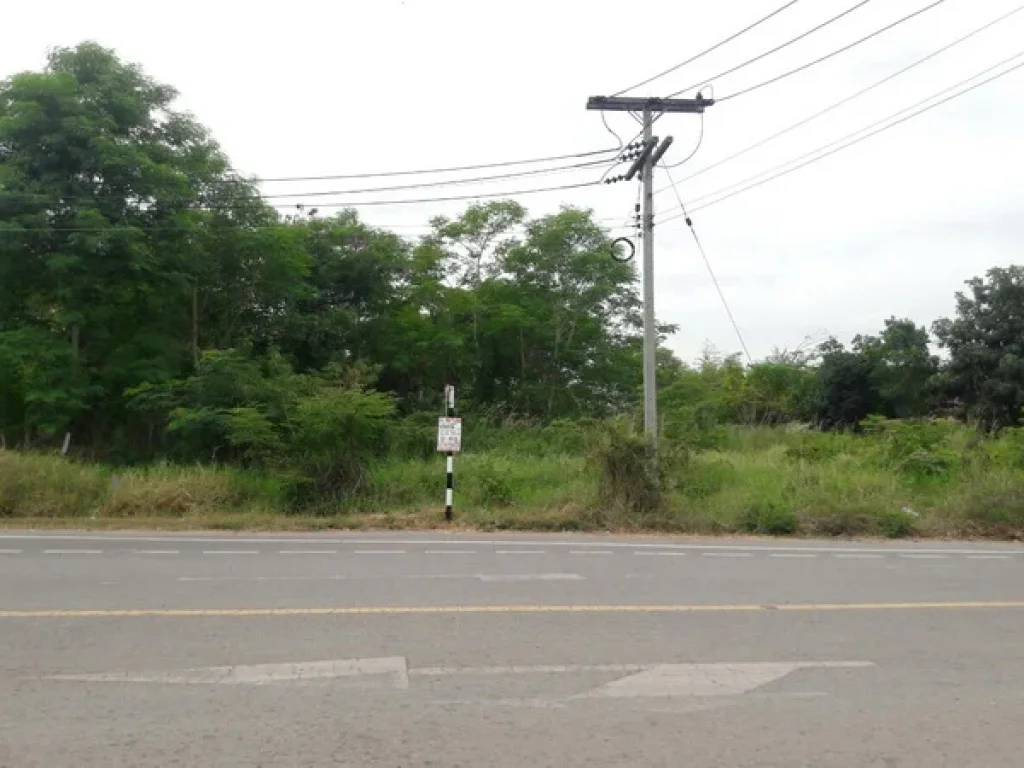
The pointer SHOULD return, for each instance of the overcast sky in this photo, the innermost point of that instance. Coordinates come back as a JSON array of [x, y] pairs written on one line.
[[892, 226]]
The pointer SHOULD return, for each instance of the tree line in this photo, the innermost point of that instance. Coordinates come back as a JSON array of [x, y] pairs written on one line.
[[153, 304]]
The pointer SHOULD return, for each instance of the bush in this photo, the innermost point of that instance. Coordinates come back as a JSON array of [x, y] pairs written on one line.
[[333, 436], [631, 473], [840, 520], [765, 517], [490, 484], [896, 524]]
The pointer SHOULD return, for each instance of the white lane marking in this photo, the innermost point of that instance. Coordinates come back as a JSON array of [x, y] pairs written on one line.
[[10, 551], [520, 552], [858, 556], [700, 680], [72, 551], [792, 555], [157, 551], [490, 542], [988, 557], [380, 552], [924, 557], [590, 552], [449, 552], [661, 554], [728, 554], [394, 668], [529, 577], [308, 552], [231, 551], [484, 577]]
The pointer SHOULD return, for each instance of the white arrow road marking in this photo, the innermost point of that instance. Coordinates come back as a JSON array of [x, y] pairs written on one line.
[[697, 680], [394, 668], [526, 669]]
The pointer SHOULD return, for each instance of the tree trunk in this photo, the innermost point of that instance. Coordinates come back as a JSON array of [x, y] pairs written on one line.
[[75, 343], [195, 325]]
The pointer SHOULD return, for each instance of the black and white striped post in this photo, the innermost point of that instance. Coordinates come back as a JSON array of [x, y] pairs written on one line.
[[449, 439]]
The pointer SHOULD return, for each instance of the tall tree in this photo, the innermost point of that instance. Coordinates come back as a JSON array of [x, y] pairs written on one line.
[[100, 185], [985, 340], [902, 368]]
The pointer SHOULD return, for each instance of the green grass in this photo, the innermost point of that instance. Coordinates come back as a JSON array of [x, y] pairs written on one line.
[[937, 480]]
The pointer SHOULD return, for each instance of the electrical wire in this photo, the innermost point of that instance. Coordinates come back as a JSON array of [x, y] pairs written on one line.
[[689, 157], [782, 170], [418, 201], [425, 171], [124, 228], [706, 51], [834, 53], [711, 271], [848, 99], [368, 190], [451, 182], [604, 119], [776, 49], [453, 198]]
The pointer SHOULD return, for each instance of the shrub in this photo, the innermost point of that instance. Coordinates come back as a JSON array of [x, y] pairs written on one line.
[[767, 518], [896, 524], [490, 483], [631, 473], [840, 520], [333, 436]]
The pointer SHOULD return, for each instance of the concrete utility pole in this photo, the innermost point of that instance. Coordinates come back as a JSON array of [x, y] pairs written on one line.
[[653, 151]]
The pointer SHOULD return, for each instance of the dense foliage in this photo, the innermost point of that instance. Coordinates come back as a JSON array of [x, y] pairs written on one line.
[[153, 305]]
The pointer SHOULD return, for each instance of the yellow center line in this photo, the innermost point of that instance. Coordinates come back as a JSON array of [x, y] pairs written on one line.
[[452, 609]]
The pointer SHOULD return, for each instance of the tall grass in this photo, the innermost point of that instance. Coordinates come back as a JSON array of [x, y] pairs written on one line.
[[934, 479], [41, 486]]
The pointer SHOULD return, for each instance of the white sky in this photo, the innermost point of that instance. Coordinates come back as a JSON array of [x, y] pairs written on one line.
[[892, 226]]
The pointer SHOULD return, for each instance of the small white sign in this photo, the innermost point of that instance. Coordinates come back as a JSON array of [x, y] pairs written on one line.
[[449, 435]]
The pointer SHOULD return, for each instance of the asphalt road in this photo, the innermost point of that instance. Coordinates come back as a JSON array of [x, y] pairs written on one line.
[[416, 650]]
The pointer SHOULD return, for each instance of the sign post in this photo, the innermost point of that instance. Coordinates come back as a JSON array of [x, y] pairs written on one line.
[[449, 442]]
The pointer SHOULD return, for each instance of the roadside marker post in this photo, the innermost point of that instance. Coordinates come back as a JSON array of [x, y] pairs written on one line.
[[449, 442]]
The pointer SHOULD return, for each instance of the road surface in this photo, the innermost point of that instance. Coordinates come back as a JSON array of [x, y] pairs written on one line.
[[479, 650]]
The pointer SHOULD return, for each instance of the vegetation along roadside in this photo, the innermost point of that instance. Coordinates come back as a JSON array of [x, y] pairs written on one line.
[[176, 352]]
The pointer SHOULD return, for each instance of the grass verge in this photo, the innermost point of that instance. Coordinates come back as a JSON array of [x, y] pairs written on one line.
[[767, 482]]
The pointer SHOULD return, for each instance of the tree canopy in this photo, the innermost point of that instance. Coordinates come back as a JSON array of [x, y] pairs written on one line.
[[153, 304]]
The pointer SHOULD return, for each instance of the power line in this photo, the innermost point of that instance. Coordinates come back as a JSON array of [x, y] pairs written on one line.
[[739, 188], [848, 99], [452, 198], [711, 271], [424, 171], [776, 49], [368, 190], [452, 182], [351, 204], [127, 227], [706, 51], [835, 53], [689, 157], [876, 124]]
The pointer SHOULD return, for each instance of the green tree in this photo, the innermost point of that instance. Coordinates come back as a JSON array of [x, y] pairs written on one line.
[[847, 392], [100, 181], [985, 341], [902, 368]]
